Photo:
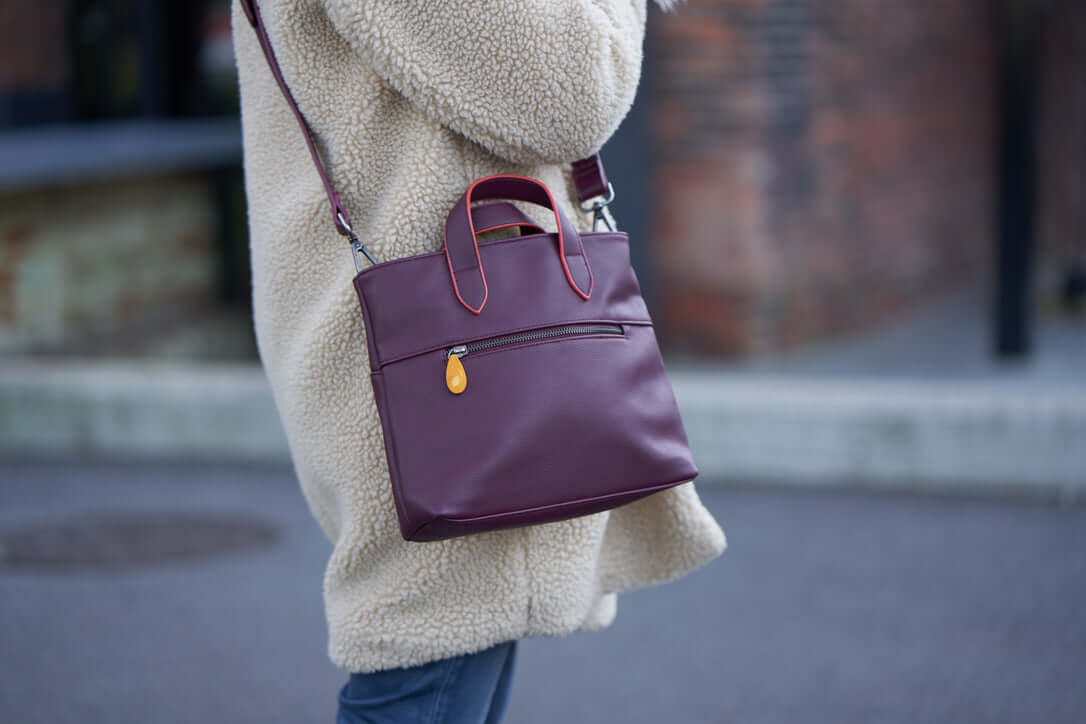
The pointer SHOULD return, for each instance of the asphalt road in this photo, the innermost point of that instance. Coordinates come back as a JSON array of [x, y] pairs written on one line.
[[826, 607]]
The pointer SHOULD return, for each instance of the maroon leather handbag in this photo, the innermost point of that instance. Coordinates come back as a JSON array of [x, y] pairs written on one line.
[[518, 381]]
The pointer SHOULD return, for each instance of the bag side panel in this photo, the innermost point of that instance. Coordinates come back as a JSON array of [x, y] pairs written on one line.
[[552, 427]]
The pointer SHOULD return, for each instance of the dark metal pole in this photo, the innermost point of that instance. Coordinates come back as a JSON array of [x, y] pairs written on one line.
[[1018, 63], [154, 55]]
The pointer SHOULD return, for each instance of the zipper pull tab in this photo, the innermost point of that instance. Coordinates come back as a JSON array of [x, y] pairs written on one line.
[[456, 379]]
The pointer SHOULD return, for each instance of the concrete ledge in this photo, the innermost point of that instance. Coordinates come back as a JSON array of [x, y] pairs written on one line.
[[989, 435], [897, 433], [139, 408], [85, 152]]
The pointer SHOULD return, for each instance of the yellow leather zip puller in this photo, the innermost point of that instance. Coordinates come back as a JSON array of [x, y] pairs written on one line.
[[456, 379]]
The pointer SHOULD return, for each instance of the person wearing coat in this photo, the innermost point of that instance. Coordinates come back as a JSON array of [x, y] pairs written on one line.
[[408, 103]]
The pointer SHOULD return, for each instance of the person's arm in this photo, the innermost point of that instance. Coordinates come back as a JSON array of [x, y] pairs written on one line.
[[533, 81]]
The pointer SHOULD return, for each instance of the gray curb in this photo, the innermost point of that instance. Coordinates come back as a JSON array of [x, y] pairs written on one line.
[[140, 409], [914, 434], [988, 435]]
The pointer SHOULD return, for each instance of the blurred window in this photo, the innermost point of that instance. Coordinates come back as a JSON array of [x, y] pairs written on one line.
[[92, 60]]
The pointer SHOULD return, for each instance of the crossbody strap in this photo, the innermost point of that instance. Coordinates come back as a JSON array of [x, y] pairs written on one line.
[[588, 173]]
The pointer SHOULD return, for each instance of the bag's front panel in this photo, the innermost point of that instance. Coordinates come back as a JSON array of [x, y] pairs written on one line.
[[411, 306], [538, 424]]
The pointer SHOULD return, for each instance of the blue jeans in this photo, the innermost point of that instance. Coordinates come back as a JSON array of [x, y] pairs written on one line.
[[466, 689]]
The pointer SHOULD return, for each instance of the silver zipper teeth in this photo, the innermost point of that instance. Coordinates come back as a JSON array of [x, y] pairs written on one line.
[[543, 334]]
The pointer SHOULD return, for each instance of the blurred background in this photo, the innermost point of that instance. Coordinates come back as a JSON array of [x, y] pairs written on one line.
[[860, 227]]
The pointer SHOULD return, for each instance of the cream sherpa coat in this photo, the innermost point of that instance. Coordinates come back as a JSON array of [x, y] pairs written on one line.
[[409, 102]]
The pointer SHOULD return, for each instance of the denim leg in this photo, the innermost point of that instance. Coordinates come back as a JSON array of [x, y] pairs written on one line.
[[501, 690], [455, 690]]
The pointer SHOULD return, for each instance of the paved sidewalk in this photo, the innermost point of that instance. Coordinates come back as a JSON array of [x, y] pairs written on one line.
[[918, 405], [829, 607]]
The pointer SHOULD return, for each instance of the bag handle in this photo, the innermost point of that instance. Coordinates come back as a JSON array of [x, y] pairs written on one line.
[[588, 173], [461, 245], [501, 215]]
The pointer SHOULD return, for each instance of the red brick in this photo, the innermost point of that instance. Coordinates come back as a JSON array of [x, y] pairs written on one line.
[[833, 167]]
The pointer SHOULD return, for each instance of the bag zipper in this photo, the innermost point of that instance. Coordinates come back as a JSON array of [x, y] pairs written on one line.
[[456, 377]]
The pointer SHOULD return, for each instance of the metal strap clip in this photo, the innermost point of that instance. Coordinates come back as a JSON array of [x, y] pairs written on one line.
[[600, 212], [356, 244]]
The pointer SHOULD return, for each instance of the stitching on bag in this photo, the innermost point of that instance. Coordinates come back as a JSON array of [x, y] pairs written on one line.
[[392, 455], [506, 226], [570, 503], [444, 344], [475, 244], [478, 260], [376, 360], [604, 236], [372, 354], [562, 251], [549, 340]]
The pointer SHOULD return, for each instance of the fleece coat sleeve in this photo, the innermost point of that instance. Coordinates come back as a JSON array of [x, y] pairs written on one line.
[[545, 81], [408, 102]]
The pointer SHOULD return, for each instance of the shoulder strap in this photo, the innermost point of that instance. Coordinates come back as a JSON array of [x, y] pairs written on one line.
[[339, 214], [588, 173]]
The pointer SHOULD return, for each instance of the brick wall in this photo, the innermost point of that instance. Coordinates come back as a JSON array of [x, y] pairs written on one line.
[[35, 61], [818, 166], [85, 269], [1061, 158], [34, 52]]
